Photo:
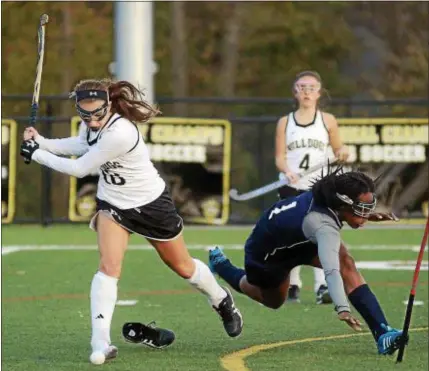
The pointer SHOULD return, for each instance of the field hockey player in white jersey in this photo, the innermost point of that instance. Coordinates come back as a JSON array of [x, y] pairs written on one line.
[[302, 141], [131, 198]]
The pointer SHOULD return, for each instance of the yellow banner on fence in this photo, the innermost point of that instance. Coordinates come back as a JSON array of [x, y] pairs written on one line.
[[385, 140], [8, 169]]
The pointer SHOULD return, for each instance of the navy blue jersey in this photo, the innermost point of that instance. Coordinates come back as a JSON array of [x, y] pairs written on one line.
[[278, 234]]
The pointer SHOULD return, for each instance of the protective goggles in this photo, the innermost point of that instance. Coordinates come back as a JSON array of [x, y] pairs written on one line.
[[95, 115], [307, 88], [362, 209]]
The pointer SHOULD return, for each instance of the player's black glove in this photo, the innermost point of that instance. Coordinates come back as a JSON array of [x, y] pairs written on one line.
[[27, 149]]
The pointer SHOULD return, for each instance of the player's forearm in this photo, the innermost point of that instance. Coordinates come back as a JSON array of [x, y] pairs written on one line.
[[335, 141], [75, 168], [111, 146], [322, 230], [328, 250], [336, 290], [72, 146], [281, 164], [340, 150]]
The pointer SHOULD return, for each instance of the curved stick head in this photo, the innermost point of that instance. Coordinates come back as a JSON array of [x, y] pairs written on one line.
[[44, 18], [233, 193]]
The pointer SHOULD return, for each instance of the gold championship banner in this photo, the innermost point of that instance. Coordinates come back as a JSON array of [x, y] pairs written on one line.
[[381, 141], [192, 155], [385, 140], [8, 169]]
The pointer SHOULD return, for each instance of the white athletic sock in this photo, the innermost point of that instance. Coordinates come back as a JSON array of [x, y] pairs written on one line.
[[294, 277], [203, 280], [319, 278], [104, 292]]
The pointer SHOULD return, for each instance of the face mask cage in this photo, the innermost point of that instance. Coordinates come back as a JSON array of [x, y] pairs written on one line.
[[364, 209], [359, 208]]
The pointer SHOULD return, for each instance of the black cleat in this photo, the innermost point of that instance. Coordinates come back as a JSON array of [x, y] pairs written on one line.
[[150, 335], [323, 296], [293, 294], [230, 315]]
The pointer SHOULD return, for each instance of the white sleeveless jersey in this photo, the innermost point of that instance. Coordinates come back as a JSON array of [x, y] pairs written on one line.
[[306, 146], [131, 179]]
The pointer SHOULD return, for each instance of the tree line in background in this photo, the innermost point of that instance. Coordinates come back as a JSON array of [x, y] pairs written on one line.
[[228, 49], [370, 49]]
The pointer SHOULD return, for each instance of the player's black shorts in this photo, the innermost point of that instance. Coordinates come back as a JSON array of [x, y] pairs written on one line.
[[157, 220], [267, 270], [287, 191], [267, 276]]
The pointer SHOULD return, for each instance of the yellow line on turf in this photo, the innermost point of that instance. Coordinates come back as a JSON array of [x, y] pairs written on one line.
[[235, 361]]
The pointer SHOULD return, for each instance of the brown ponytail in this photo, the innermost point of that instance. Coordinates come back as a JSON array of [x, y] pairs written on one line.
[[127, 100]]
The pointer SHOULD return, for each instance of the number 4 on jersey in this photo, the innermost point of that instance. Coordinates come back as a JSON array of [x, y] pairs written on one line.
[[305, 163]]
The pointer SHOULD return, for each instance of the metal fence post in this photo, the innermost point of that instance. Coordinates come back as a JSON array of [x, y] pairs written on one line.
[[260, 130]]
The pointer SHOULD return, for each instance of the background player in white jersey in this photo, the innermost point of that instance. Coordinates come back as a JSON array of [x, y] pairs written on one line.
[[302, 140], [131, 197]]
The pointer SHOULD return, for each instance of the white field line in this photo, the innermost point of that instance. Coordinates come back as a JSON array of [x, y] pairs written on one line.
[[402, 225], [8, 249], [15, 248], [373, 265], [249, 227], [392, 265]]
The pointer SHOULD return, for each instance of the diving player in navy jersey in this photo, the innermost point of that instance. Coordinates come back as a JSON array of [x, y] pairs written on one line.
[[305, 230]]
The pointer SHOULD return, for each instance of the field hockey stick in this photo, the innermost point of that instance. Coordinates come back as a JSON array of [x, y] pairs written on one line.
[[233, 193], [412, 295], [41, 52]]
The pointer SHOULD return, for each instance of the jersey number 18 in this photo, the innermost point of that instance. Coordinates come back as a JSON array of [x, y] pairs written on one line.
[[113, 178]]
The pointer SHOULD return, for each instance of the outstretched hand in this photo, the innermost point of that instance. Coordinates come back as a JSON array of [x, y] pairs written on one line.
[[350, 320], [342, 154], [291, 176], [382, 217]]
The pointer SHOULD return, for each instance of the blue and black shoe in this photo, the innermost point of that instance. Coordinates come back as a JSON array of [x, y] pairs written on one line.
[[216, 257], [390, 341]]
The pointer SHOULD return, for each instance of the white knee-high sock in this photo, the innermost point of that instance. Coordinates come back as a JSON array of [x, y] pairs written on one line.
[[104, 292], [203, 280], [294, 277], [319, 278]]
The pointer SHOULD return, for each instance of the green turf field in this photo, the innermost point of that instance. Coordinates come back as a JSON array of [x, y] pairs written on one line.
[[46, 324]]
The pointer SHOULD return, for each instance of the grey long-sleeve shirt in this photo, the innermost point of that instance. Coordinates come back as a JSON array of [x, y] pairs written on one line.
[[322, 230]]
